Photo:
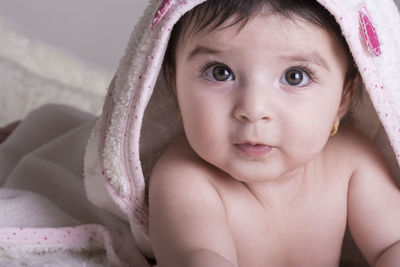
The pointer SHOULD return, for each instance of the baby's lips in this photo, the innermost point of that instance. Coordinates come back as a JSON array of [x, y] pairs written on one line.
[[254, 150]]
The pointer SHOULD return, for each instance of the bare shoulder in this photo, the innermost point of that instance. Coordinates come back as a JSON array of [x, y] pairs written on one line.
[[183, 198], [373, 197], [354, 148], [181, 165], [181, 173]]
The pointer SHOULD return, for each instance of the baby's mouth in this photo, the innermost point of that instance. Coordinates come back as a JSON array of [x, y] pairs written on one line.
[[253, 149]]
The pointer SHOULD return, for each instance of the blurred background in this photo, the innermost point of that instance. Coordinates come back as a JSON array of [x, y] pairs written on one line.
[[61, 51], [95, 30]]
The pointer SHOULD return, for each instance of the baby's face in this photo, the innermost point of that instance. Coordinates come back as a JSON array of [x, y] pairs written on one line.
[[260, 103]]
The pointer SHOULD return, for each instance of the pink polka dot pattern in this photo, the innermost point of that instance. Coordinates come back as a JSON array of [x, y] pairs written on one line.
[[82, 237], [79, 236]]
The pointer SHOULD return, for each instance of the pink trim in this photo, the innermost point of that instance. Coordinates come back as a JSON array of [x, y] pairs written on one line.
[[82, 237], [164, 6], [369, 33]]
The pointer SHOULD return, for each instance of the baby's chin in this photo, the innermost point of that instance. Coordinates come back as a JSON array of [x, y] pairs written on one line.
[[253, 172]]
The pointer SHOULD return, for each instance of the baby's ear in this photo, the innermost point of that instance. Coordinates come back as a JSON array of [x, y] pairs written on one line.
[[349, 93]]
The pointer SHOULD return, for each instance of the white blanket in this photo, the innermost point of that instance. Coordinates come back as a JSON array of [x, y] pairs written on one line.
[[45, 216]]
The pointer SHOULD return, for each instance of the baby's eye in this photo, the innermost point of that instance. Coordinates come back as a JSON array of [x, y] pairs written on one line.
[[220, 73], [296, 77]]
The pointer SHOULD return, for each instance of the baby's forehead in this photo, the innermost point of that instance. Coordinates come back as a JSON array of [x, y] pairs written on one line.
[[194, 27], [235, 24], [261, 26], [212, 16]]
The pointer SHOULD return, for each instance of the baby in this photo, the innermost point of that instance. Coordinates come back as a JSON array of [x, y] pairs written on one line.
[[263, 174]]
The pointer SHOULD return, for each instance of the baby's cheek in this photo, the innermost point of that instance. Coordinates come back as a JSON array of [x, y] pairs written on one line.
[[201, 132], [308, 140]]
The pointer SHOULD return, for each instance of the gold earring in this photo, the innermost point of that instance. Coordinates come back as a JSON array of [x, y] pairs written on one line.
[[179, 115], [335, 128]]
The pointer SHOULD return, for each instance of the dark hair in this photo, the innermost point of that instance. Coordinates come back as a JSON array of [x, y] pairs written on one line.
[[213, 13]]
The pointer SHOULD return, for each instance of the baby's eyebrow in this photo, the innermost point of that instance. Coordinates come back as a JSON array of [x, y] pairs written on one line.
[[312, 57], [198, 50]]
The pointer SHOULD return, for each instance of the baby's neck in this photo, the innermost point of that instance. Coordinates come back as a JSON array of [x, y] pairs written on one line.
[[280, 192]]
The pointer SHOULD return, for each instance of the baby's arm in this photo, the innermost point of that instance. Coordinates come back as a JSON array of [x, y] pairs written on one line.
[[188, 226], [374, 206]]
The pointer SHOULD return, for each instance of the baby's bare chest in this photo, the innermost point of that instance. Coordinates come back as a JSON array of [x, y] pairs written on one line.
[[295, 242], [308, 232]]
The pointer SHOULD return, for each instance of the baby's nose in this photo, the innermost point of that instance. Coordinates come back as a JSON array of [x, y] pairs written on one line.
[[253, 106]]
